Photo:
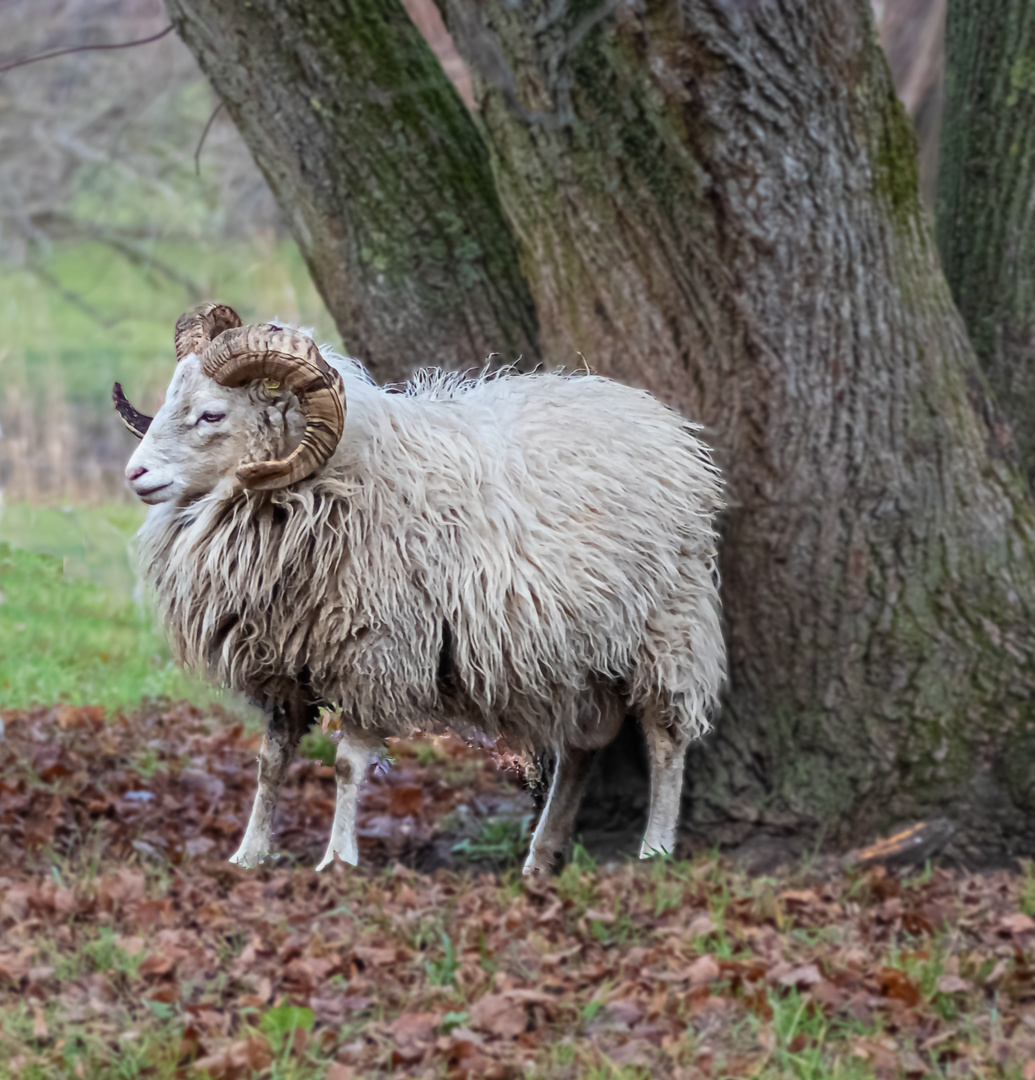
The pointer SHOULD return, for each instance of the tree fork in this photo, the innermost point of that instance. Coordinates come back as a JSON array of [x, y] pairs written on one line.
[[719, 201], [380, 172]]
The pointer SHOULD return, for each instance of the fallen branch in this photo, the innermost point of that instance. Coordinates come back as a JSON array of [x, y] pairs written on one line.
[[910, 847]]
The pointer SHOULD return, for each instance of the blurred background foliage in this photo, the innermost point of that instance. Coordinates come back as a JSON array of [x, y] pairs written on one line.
[[109, 228], [115, 217]]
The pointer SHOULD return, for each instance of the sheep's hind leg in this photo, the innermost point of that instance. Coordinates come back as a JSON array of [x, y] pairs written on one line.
[[562, 804], [666, 750], [350, 766], [285, 727]]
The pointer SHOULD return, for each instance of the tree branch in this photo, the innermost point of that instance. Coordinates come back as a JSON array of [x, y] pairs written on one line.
[[204, 136], [84, 48]]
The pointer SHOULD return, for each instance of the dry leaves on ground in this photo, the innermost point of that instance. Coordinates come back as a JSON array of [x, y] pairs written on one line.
[[124, 936]]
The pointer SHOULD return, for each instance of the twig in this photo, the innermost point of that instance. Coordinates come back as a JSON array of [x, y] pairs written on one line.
[[201, 141], [84, 48]]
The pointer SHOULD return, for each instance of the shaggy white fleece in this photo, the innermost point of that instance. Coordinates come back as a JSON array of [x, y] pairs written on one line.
[[498, 551]]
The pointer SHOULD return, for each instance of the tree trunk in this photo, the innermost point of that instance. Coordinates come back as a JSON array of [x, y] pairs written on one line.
[[986, 196], [718, 200], [380, 172]]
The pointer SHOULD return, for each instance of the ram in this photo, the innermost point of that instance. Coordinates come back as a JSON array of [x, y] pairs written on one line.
[[528, 557]]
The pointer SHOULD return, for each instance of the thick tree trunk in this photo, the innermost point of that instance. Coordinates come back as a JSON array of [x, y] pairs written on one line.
[[380, 172], [986, 196], [718, 201]]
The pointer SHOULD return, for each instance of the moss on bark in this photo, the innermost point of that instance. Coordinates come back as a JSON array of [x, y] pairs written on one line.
[[381, 174], [723, 205]]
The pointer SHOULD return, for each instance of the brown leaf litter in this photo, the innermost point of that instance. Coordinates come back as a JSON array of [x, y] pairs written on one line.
[[124, 935]]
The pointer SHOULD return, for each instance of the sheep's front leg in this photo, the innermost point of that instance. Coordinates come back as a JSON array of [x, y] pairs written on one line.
[[562, 804], [285, 727], [350, 767]]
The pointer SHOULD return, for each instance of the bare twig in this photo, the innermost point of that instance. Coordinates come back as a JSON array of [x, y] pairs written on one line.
[[204, 136], [85, 48]]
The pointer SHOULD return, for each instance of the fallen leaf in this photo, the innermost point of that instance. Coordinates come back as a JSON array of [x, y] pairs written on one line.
[[634, 1052], [826, 993], [1017, 924], [806, 975], [897, 985], [218, 1066], [496, 1014], [700, 926], [798, 898], [413, 1033], [405, 801], [553, 959], [996, 974], [911, 1064], [379, 957], [121, 887], [702, 971], [199, 845], [953, 984], [156, 964], [627, 1011]]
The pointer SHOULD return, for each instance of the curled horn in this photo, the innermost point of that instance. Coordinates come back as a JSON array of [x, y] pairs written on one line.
[[197, 327], [244, 354], [135, 421]]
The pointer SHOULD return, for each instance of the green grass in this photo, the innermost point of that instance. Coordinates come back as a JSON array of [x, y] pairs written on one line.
[[500, 840], [71, 629]]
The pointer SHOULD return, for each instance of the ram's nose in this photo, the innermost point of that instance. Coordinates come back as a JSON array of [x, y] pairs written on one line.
[[135, 473]]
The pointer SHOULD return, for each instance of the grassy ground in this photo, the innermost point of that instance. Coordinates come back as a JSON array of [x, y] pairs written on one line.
[[73, 628], [129, 947]]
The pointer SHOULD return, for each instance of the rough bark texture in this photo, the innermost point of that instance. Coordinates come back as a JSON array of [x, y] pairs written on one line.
[[380, 172], [718, 201], [986, 196]]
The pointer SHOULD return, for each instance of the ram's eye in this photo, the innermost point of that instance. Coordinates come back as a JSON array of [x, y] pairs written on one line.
[[211, 417]]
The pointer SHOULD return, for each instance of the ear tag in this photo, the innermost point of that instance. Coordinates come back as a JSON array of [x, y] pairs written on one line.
[[271, 385]]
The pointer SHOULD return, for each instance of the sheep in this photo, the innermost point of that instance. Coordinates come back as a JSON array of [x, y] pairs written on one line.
[[519, 556]]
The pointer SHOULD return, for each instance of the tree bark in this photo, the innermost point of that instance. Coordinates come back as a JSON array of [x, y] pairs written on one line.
[[718, 200], [380, 173], [986, 196]]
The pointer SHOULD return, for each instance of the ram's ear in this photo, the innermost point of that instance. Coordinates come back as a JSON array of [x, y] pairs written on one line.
[[136, 422]]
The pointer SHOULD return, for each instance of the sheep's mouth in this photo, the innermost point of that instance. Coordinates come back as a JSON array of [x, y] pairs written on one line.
[[147, 495]]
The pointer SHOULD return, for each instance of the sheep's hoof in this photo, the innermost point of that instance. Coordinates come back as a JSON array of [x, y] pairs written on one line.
[[248, 860], [649, 852], [332, 857], [534, 868]]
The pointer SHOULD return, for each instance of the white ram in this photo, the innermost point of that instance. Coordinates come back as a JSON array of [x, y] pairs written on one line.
[[528, 556]]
